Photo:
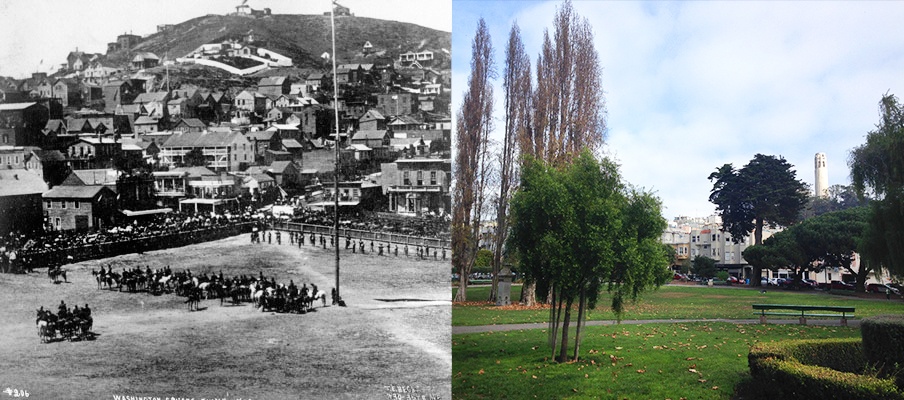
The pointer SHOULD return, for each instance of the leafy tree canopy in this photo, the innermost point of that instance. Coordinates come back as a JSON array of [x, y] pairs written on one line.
[[765, 192], [580, 227]]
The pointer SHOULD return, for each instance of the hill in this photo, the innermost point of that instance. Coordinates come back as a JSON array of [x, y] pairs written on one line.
[[302, 37]]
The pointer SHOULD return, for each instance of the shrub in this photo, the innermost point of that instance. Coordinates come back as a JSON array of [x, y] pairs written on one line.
[[817, 369], [883, 345]]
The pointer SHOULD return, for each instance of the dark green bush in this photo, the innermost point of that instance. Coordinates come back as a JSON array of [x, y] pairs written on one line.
[[824, 369], [883, 345]]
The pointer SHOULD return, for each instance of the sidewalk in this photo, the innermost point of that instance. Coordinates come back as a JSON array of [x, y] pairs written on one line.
[[457, 330]]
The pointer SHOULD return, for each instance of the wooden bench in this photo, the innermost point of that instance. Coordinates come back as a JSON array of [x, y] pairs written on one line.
[[803, 312]]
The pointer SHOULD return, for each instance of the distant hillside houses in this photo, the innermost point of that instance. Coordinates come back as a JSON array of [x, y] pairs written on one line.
[[210, 140], [213, 53]]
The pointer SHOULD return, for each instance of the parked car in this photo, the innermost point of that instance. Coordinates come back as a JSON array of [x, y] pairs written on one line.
[[880, 288], [839, 285], [733, 280], [679, 277]]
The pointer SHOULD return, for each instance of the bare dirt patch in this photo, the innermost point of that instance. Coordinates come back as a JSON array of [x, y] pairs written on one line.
[[153, 346]]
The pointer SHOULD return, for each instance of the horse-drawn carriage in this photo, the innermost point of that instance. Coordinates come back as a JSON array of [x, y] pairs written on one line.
[[68, 325]]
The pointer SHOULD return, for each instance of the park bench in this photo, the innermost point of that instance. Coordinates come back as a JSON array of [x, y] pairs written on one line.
[[803, 312]]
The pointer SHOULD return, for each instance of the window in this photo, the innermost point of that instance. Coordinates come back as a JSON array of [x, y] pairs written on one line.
[[405, 178], [76, 205], [420, 178], [433, 177], [714, 238], [5, 139], [63, 204], [49, 204], [56, 222]]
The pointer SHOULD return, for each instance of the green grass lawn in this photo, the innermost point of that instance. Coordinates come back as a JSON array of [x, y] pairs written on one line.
[[674, 302], [652, 361]]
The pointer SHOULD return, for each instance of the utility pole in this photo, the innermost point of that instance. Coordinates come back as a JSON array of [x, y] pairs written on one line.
[[336, 143]]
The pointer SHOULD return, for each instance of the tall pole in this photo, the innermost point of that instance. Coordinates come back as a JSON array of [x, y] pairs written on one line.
[[336, 143]]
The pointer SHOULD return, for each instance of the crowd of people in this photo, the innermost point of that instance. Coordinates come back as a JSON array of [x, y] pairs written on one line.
[[428, 226], [23, 252], [378, 248]]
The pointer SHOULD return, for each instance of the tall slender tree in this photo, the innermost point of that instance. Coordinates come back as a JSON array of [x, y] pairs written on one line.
[[474, 122], [765, 192], [570, 104], [568, 112], [517, 97]]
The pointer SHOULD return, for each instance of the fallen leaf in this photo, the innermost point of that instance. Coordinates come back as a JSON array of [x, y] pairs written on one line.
[[689, 358], [574, 390], [480, 372], [640, 371], [692, 370], [618, 348], [533, 376], [701, 380], [715, 388]]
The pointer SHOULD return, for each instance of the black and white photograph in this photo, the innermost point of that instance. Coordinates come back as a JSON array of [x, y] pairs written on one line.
[[243, 199]]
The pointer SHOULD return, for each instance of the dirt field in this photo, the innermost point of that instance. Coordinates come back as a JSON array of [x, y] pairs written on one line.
[[394, 333]]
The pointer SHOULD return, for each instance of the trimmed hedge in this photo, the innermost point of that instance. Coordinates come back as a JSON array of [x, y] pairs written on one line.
[[823, 369], [883, 345]]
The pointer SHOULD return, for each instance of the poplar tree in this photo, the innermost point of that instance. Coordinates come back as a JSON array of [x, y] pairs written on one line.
[[474, 122]]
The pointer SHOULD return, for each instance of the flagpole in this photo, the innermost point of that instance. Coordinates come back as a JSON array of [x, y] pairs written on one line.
[[336, 143]]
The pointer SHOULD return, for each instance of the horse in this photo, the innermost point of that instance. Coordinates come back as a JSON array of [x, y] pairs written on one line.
[[46, 331], [55, 273], [319, 295], [111, 279], [98, 277], [194, 299]]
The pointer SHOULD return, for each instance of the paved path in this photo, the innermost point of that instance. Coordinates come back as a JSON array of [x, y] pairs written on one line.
[[456, 330]]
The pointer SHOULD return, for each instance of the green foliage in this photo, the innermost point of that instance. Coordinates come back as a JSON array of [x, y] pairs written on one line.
[[578, 228], [883, 344], [840, 197], [722, 275], [828, 240], [704, 267], [878, 166], [764, 192], [484, 261], [828, 368]]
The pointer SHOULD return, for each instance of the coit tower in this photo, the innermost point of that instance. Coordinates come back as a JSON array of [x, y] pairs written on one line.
[[822, 176]]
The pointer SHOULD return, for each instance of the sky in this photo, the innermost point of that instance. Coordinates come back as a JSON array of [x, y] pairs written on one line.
[[38, 34], [691, 86]]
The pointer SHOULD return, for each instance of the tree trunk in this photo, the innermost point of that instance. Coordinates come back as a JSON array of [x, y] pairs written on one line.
[[563, 351], [462, 294], [529, 294], [577, 333], [757, 272], [494, 290]]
